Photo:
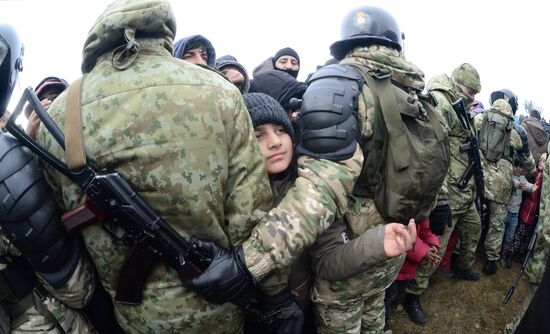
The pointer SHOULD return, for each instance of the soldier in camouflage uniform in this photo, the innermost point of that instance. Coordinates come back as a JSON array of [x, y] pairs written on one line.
[[38, 312], [25, 306], [181, 136], [322, 195], [536, 266], [464, 83], [498, 186]]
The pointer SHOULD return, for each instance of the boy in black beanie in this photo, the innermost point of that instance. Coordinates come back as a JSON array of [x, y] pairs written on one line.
[[273, 131]]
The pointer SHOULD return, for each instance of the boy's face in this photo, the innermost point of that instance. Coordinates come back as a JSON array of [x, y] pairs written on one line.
[[196, 56], [276, 146]]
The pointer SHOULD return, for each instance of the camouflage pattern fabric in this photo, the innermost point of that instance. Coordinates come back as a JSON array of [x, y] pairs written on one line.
[[72, 321], [32, 321], [182, 137], [364, 315], [465, 74], [362, 294], [537, 264], [510, 327], [322, 188], [322, 195], [469, 228], [465, 215], [441, 88], [495, 231]]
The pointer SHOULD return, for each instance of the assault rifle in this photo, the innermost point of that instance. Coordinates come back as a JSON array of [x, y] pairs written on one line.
[[474, 168], [530, 250], [149, 237]]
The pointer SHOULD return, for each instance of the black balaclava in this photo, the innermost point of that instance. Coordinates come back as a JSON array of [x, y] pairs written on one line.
[[287, 52]]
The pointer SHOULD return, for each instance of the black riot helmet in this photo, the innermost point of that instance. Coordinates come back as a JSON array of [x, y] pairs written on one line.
[[506, 95], [366, 26], [11, 63]]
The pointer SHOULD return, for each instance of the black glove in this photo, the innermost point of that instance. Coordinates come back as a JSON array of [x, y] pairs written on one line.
[[226, 279], [283, 312], [440, 217]]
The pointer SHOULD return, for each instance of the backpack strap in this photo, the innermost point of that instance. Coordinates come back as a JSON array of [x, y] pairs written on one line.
[[382, 88], [74, 138]]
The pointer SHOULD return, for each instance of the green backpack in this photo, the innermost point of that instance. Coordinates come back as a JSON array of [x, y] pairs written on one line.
[[494, 135], [407, 159]]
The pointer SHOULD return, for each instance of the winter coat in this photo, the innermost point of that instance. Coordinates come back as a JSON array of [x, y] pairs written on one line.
[[424, 240]]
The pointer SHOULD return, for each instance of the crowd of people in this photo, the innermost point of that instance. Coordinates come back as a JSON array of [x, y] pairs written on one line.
[[283, 206]]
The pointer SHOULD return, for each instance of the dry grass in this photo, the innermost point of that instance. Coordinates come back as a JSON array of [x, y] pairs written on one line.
[[466, 307]]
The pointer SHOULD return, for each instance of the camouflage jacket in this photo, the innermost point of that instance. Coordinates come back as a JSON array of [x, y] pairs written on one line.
[[441, 88], [34, 319], [537, 264], [498, 175], [181, 136], [322, 191]]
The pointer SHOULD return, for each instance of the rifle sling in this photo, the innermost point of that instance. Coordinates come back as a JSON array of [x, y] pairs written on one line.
[[74, 137]]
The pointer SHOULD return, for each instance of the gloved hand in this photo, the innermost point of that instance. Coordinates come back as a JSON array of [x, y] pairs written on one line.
[[226, 279], [284, 313], [440, 217]]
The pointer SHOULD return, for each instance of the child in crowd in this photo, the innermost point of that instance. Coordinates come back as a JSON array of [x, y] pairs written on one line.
[[276, 139], [426, 246], [520, 184]]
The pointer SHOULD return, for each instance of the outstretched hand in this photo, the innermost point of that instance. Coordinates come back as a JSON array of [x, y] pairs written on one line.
[[399, 238]]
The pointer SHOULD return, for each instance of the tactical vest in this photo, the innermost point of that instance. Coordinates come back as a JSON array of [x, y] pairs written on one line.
[[406, 159]]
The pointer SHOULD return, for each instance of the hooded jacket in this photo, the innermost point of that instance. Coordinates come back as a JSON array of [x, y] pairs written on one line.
[[182, 46], [279, 85], [230, 61], [182, 138], [538, 137]]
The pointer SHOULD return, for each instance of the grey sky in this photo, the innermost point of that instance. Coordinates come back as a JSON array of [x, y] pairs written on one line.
[[505, 40]]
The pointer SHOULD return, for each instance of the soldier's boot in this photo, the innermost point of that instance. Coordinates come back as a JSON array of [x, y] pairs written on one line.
[[505, 256], [466, 275], [414, 309], [490, 267]]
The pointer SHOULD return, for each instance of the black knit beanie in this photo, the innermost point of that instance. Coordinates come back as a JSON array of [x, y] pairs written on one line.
[[286, 52], [264, 109]]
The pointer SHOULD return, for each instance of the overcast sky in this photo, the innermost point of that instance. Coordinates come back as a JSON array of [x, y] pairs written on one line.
[[507, 41]]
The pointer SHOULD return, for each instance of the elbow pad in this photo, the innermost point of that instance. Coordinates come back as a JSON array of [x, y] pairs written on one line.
[[29, 216], [330, 126]]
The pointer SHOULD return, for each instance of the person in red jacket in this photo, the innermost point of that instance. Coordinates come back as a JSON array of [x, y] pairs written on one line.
[[426, 246]]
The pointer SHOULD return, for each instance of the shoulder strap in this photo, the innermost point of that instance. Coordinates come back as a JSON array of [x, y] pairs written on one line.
[[38, 296], [383, 89], [74, 138]]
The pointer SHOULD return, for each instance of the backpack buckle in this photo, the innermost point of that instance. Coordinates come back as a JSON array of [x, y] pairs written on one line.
[[380, 74]]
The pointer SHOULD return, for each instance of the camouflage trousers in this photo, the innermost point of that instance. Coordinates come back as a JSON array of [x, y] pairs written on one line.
[[510, 328], [356, 304], [469, 228], [495, 231], [356, 316], [71, 320]]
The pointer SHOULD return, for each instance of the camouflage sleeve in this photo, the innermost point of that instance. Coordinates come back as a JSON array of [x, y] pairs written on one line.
[[335, 257], [442, 108], [79, 289], [248, 195], [320, 194], [515, 140], [529, 164], [537, 264]]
